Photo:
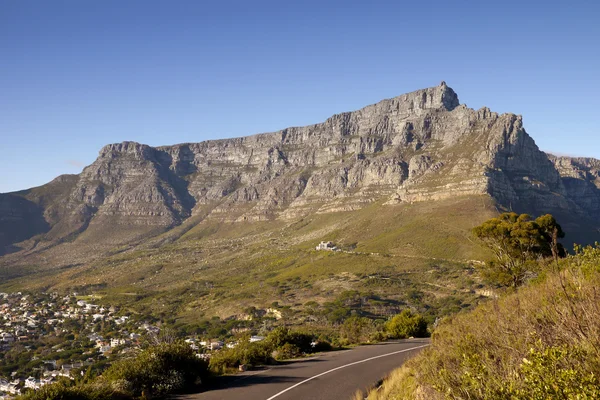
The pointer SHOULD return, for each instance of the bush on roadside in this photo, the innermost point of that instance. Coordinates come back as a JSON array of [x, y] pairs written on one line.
[[65, 391], [405, 325], [157, 371], [281, 336], [245, 353], [356, 330], [287, 351]]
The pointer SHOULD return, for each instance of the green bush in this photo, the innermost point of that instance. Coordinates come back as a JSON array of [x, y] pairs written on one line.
[[356, 330], [245, 353], [550, 373], [280, 343], [405, 325], [64, 391], [280, 336], [287, 351], [158, 370]]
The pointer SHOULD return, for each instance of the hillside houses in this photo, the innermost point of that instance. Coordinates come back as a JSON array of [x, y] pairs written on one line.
[[26, 320], [66, 335]]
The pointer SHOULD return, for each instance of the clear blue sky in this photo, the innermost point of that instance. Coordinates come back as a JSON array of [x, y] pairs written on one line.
[[76, 75]]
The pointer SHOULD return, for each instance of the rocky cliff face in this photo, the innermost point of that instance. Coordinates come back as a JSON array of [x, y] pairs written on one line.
[[419, 146], [581, 179]]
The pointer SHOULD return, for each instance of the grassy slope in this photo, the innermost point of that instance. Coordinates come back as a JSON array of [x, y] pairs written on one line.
[[539, 343], [219, 268]]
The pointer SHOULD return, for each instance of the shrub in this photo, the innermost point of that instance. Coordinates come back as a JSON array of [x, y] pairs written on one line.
[[158, 370], [550, 373], [280, 336], [287, 351], [538, 343], [64, 391], [356, 330], [244, 353], [405, 325]]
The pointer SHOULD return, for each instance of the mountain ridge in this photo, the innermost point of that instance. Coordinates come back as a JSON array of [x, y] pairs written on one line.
[[419, 146]]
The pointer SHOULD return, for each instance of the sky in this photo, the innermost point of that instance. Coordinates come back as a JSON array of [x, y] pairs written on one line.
[[77, 75]]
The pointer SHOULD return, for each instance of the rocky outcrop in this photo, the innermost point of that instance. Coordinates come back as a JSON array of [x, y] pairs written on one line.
[[418, 146], [581, 180]]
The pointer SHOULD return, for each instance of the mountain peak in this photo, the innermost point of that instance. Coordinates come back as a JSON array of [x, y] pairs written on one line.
[[448, 97], [441, 97]]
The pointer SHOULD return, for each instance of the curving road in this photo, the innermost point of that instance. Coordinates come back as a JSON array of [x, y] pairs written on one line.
[[334, 375]]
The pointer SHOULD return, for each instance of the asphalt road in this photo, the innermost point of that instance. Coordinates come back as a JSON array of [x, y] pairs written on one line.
[[331, 376]]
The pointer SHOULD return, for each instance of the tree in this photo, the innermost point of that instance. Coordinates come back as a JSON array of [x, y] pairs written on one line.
[[517, 242], [405, 325]]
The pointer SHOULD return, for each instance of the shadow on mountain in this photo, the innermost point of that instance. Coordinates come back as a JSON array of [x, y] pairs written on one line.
[[20, 219]]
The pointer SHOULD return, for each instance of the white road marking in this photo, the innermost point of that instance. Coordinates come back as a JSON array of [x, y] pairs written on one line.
[[344, 366]]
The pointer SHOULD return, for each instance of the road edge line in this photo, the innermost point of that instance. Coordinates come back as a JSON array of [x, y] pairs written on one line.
[[344, 366]]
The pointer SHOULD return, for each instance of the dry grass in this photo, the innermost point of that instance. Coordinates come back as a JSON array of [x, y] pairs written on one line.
[[541, 342]]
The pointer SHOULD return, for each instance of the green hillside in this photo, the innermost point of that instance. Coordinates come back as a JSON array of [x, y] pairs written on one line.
[[538, 343], [418, 255]]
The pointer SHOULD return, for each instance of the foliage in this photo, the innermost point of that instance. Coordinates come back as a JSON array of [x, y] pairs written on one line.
[[64, 391], [245, 353], [287, 351], [281, 336], [517, 241], [361, 330], [551, 373], [158, 370], [405, 325], [281, 343], [541, 342]]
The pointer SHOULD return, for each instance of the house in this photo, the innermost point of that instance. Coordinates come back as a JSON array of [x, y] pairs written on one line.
[[116, 342], [46, 381], [97, 317], [104, 349], [66, 369], [215, 345], [326, 246], [7, 337], [32, 383], [9, 387]]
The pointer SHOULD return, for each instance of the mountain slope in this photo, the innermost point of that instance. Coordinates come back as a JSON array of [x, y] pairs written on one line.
[[418, 146], [420, 152]]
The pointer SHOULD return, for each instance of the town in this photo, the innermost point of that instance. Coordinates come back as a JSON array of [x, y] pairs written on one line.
[[48, 337]]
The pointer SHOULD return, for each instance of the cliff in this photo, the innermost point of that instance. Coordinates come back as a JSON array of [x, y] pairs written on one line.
[[420, 146]]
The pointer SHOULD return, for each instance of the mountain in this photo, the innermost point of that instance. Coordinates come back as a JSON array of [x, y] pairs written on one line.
[[422, 150]]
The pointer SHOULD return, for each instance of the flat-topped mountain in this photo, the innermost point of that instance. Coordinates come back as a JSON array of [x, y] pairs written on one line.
[[422, 146]]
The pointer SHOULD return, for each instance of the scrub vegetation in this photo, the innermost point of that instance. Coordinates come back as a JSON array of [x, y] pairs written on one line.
[[540, 341]]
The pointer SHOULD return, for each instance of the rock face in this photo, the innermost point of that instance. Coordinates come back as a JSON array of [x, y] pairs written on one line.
[[418, 146]]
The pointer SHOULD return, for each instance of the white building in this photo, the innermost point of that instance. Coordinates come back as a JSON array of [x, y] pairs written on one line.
[[116, 342], [7, 337], [32, 383], [326, 246]]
